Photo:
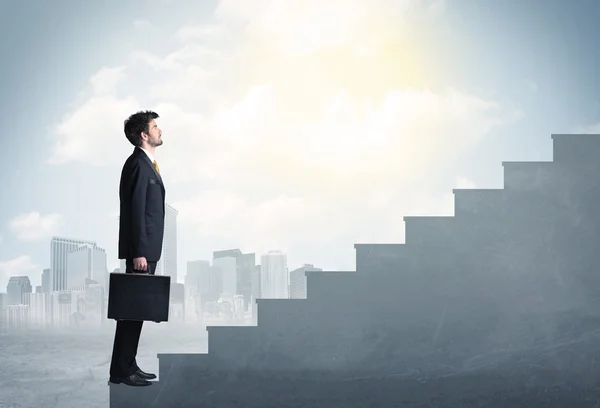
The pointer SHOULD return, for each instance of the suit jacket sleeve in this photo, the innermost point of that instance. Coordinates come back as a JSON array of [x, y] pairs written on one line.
[[139, 186]]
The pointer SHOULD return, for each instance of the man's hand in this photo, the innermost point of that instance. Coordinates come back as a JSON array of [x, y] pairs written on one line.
[[140, 264]]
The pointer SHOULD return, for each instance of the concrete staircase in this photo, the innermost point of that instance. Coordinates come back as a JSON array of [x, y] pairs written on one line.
[[512, 273]]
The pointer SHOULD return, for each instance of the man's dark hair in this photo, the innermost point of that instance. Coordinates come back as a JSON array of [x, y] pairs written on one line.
[[136, 124]]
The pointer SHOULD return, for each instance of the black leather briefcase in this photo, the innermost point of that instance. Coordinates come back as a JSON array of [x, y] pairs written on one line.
[[138, 296]]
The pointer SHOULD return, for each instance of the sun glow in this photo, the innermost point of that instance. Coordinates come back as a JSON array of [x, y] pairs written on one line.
[[339, 91]]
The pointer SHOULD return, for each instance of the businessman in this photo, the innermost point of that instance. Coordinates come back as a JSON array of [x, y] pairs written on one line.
[[141, 230]]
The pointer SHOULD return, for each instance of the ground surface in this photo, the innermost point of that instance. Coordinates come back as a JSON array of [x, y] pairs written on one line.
[[53, 369]]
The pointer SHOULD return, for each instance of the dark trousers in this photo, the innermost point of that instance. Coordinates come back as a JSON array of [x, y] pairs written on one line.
[[127, 338]]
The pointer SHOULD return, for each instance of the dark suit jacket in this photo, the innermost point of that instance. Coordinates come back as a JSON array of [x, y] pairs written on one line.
[[142, 220]]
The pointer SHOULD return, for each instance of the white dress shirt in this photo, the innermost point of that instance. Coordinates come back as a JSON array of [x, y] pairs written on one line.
[[148, 154]]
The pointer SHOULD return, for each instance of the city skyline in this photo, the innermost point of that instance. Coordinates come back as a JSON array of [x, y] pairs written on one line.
[[67, 246], [75, 290]]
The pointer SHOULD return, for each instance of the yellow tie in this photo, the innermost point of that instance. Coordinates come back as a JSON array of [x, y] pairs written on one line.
[[156, 166]]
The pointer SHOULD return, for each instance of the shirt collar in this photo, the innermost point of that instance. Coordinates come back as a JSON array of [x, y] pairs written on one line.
[[148, 154]]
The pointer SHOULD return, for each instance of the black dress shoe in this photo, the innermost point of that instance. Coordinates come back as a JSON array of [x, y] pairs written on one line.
[[132, 380], [146, 376]]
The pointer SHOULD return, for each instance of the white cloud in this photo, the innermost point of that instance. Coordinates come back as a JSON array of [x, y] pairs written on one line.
[[106, 79], [178, 88], [282, 151], [20, 266], [34, 226], [93, 132], [261, 224], [186, 75], [189, 55], [247, 119], [200, 32]]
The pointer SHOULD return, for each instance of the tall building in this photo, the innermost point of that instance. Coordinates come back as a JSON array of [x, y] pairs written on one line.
[[197, 289], [46, 280], [255, 286], [61, 306], [274, 276], [16, 289], [94, 307], [216, 283], [86, 263], [17, 317], [167, 265], [39, 314], [59, 248], [177, 302], [298, 281], [197, 279], [245, 264], [228, 269], [3, 304]]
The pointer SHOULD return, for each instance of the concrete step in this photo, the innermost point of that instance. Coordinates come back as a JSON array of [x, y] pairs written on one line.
[[231, 340], [396, 261], [329, 285], [174, 364], [275, 312], [380, 259], [477, 202], [289, 342], [488, 210], [429, 230], [267, 346], [121, 395], [530, 176], [576, 149]]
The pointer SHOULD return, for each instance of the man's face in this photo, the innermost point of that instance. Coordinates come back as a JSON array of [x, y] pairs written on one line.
[[154, 136]]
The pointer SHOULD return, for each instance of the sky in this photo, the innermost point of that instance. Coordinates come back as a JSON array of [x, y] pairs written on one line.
[[303, 126]]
